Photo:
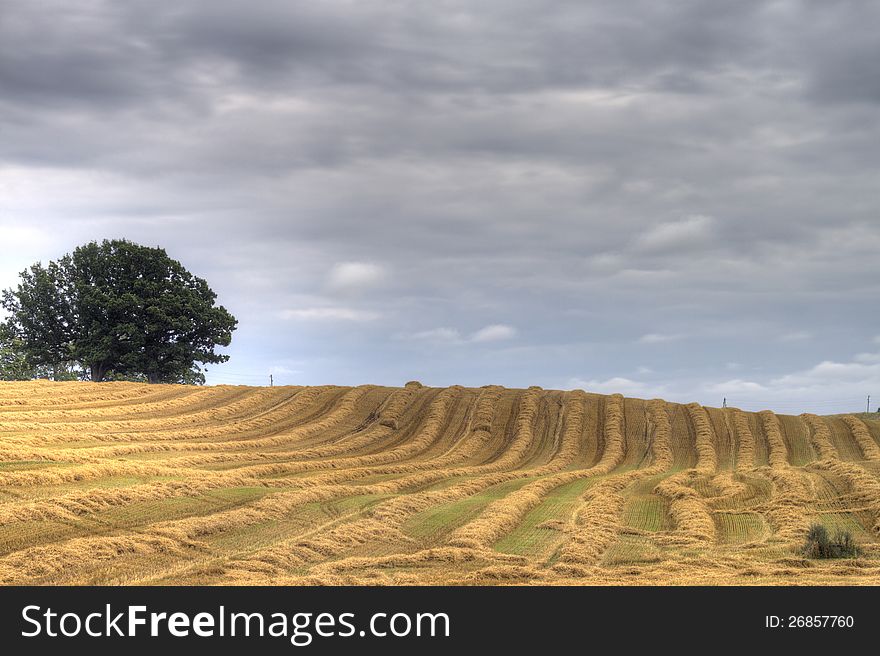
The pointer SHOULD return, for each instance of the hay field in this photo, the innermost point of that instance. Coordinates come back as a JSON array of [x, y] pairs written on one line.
[[123, 483]]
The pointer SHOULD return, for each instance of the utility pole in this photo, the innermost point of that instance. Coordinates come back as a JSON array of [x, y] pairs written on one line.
[[271, 381], [868, 407], [724, 405]]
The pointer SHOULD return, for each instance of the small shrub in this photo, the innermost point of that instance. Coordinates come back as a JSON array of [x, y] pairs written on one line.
[[819, 544]]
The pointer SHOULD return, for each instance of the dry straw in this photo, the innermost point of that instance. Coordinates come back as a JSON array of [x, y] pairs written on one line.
[[335, 485], [863, 438]]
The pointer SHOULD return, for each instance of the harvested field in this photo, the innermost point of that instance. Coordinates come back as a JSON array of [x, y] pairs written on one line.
[[124, 483]]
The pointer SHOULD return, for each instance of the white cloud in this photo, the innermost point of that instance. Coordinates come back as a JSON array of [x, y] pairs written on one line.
[[658, 338], [442, 334], [619, 385], [355, 276], [736, 386], [644, 370], [329, 314], [826, 388], [832, 373], [494, 333], [676, 235]]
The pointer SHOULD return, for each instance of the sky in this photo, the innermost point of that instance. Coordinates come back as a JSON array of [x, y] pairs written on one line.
[[670, 199]]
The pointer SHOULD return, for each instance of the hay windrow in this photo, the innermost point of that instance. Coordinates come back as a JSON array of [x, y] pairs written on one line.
[[745, 440], [130, 483], [777, 451], [862, 436], [596, 523], [820, 436], [707, 458]]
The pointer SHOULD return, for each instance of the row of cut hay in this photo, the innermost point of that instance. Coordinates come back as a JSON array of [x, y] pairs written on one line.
[[862, 436], [521, 443], [29, 565], [820, 437], [323, 545], [478, 430], [339, 412], [382, 523], [392, 410], [728, 487], [134, 416], [792, 495], [429, 432], [81, 503], [203, 422], [370, 435], [393, 513], [570, 428], [276, 506], [444, 556], [88, 501], [614, 440], [503, 515], [862, 487], [661, 432], [329, 416], [596, 524], [523, 434], [397, 510], [707, 458], [26, 394], [688, 510], [85, 502], [174, 433], [87, 472], [484, 413], [22, 452], [777, 452], [745, 440], [788, 510]]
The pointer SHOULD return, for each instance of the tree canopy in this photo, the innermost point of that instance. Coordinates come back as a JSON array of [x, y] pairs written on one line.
[[118, 310]]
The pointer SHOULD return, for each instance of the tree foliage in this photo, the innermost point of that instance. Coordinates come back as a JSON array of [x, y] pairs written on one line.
[[118, 310], [13, 364]]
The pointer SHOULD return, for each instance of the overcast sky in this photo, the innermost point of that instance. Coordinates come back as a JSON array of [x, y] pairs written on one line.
[[660, 198]]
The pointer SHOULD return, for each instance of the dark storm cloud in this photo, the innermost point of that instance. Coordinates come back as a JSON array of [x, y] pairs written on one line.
[[657, 194]]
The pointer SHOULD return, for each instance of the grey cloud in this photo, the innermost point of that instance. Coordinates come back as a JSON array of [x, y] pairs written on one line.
[[538, 165]]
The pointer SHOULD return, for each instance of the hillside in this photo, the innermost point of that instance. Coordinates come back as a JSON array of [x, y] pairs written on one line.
[[127, 483]]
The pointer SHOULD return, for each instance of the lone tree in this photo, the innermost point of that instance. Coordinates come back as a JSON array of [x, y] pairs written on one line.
[[119, 310]]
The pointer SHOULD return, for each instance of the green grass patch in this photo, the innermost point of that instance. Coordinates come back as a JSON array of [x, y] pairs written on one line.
[[301, 520], [161, 510], [739, 528], [444, 518], [842, 521], [532, 539], [645, 513]]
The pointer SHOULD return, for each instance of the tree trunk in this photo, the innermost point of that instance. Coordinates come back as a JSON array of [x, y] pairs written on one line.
[[97, 371], [152, 379]]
